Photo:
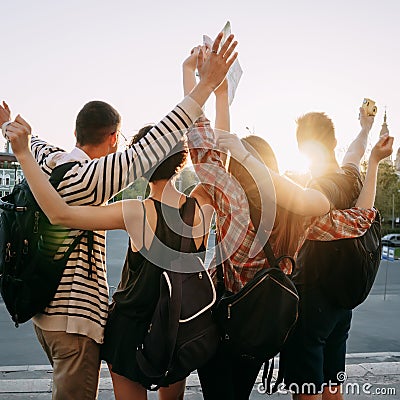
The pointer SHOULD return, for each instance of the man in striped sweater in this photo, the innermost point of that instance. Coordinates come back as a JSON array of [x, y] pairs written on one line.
[[71, 327]]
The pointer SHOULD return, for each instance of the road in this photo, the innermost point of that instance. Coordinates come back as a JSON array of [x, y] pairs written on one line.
[[375, 328]]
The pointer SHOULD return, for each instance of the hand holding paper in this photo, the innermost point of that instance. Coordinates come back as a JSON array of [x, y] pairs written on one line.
[[235, 72]]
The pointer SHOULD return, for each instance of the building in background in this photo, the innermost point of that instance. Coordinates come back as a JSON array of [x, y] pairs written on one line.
[[385, 129], [389, 160], [10, 171], [397, 162]]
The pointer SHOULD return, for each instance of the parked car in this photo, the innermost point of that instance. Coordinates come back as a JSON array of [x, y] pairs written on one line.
[[391, 240]]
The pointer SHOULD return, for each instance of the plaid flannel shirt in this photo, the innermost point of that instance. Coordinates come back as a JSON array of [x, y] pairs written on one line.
[[236, 231]]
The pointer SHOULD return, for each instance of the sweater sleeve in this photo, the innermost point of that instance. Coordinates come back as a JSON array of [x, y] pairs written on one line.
[[41, 150], [228, 197]]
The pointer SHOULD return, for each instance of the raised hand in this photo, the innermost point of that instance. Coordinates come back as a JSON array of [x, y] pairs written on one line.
[[18, 133], [383, 148], [5, 113], [213, 68], [366, 120], [189, 67], [229, 141], [191, 62]]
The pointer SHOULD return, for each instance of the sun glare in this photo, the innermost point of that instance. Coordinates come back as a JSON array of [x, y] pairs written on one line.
[[293, 161]]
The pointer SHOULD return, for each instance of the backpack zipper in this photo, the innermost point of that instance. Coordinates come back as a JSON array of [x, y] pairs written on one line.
[[241, 298], [8, 253], [36, 222], [26, 247], [261, 280], [284, 287]]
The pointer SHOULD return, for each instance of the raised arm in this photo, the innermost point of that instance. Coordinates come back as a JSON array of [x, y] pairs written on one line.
[[357, 147], [5, 113], [56, 209], [353, 222], [381, 150], [188, 70], [222, 115], [41, 151], [289, 195], [95, 182], [40, 148], [225, 193]]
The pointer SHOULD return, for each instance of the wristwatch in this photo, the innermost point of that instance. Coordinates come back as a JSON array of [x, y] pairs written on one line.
[[4, 129]]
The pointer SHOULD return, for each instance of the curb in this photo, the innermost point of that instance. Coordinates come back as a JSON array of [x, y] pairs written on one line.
[[390, 370], [380, 357]]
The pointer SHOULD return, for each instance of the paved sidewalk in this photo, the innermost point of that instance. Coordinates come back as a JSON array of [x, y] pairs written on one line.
[[369, 376]]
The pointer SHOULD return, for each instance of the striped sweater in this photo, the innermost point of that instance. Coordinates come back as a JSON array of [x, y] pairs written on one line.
[[81, 302]]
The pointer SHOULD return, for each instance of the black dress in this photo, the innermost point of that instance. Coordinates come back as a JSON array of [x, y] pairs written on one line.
[[137, 294]]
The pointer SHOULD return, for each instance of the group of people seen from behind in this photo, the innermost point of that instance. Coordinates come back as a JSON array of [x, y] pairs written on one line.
[[79, 327]]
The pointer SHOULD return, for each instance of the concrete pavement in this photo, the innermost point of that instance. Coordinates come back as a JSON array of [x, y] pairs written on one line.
[[369, 376]]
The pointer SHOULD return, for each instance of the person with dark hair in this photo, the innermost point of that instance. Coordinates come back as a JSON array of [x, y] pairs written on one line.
[[239, 193], [154, 227], [71, 328], [170, 165], [94, 123]]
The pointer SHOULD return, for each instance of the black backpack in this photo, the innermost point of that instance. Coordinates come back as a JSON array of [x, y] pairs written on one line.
[[255, 322], [345, 269], [182, 335], [28, 278]]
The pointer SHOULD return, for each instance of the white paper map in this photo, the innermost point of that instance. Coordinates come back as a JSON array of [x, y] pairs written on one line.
[[235, 71]]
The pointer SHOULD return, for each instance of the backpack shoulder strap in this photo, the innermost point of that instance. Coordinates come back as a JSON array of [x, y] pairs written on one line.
[[188, 218], [269, 254], [272, 261], [144, 226], [56, 177], [203, 220], [58, 172], [219, 267], [176, 279]]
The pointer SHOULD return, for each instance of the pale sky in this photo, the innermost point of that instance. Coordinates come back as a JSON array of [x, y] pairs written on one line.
[[297, 56]]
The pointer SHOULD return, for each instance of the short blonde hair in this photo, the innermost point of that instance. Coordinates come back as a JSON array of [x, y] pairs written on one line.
[[317, 127]]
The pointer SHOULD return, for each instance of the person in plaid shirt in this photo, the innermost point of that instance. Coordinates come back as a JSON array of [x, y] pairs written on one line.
[[241, 374], [238, 233]]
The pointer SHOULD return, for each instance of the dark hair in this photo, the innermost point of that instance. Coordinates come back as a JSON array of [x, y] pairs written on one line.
[[317, 127], [169, 166], [95, 122]]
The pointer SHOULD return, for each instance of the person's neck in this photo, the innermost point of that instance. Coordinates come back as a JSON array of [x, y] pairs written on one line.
[[94, 151], [165, 191], [323, 168]]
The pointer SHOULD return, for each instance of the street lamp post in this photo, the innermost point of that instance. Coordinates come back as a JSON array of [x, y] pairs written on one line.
[[392, 211], [398, 191]]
